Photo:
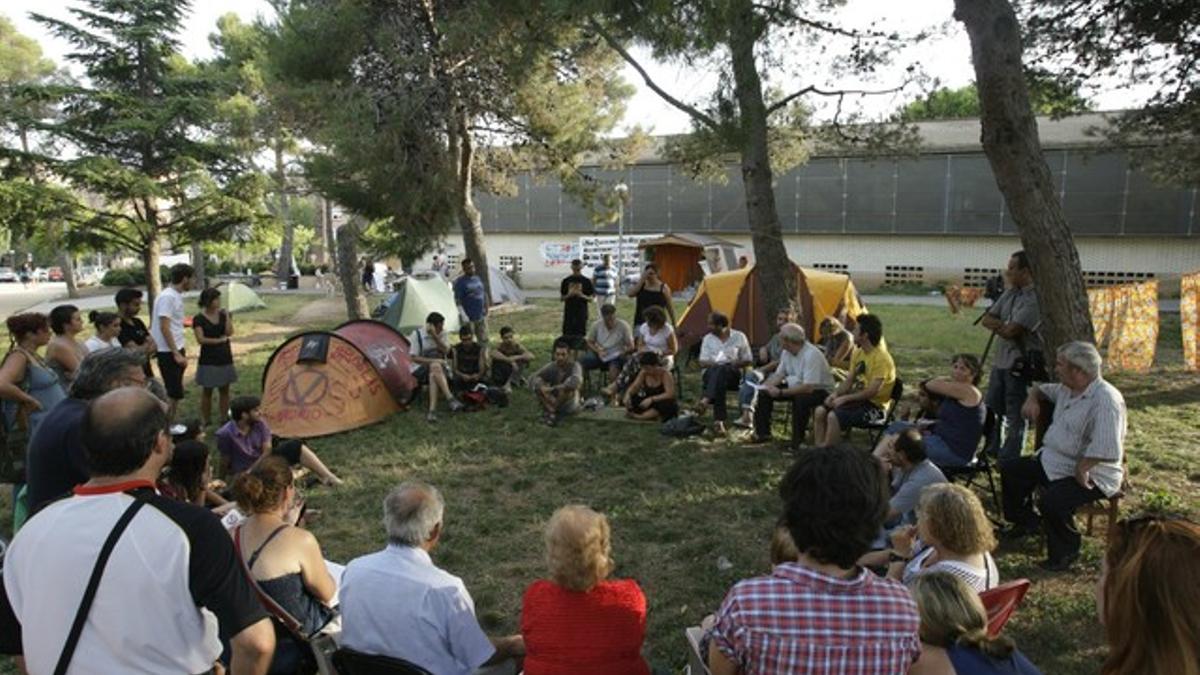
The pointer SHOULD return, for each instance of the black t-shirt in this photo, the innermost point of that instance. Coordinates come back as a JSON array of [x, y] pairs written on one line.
[[135, 331], [575, 309], [213, 355], [56, 461], [468, 360]]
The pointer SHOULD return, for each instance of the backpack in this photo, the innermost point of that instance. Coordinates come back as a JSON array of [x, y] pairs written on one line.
[[682, 426]]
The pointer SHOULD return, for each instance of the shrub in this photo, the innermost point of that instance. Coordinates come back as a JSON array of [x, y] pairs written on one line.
[[120, 277]]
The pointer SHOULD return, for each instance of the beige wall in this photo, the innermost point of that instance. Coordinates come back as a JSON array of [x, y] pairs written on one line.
[[867, 257]]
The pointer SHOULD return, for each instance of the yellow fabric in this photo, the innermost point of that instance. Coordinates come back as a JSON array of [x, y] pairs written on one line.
[[723, 290], [1126, 316], [878, 364], [1189, 319]]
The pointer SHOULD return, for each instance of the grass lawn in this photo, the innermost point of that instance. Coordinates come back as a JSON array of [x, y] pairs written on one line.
[[679, 507]]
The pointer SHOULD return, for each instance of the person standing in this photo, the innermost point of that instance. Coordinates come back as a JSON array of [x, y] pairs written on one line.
[[576, 292], [1013, 319], [107, 325], [29, 388], [651, 292], [214, 331], [134, 333], [605, 280], [166, 327], [471, 296], [65, 351]]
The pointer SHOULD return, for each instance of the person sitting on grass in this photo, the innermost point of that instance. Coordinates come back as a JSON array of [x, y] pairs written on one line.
[[903, 454], [724, 354], [579, 620], [652, 394], [428, 349], [245, 439], [801, 377], [284, 559], [609, 342], [557, 384], [766, 362], [954, 634], [822, 608], [1147, 597], [952, 436], [952, 534], [509, 360], [468, 361], [862, 398]]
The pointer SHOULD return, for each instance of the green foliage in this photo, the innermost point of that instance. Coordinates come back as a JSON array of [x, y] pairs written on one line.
[[132, 276], [1048, 95]]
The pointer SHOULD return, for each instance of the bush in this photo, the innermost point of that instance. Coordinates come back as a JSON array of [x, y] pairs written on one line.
[[132, 276], [307, 269]]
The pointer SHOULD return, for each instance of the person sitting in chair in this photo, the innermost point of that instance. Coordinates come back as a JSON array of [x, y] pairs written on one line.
[[802, 378], [952, 435], [766, 363], [724, 354], [652, 394], [1080, 457], [863, 397], [609, 342]]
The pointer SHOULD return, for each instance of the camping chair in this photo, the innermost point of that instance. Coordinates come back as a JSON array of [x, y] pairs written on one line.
[[875, 429], [696, 664], [980, 465], [350, 662], [1001, 602]]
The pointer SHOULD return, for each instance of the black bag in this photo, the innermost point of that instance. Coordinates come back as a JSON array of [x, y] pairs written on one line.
[[683, 426], [1030, 367], [497, 397]]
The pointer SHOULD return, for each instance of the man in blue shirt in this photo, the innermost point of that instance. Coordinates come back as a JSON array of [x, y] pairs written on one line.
[[471, 297]]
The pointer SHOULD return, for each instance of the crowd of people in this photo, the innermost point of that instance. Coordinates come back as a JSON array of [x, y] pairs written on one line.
[[878, 560]]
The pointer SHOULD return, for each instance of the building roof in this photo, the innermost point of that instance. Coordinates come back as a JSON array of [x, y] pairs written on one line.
[[686, 239]]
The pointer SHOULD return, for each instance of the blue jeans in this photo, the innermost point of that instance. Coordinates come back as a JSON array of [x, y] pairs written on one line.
[[1005, 395], [747, 394]]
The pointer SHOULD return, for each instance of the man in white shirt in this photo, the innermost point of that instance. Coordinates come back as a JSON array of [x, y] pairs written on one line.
[[610, 342], [724, 354], [1081, 456], [803, 376], [166, 328], [428, 349], [397, 603]]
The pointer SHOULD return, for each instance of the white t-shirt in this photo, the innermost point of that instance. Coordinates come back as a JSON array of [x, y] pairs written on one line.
[[421, 343], [94, 344], [169, 303], [808, 366], [655, 342], [733, 349]]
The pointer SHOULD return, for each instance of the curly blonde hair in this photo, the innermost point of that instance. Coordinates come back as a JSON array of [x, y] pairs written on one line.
[[578, 547], [954, 516]]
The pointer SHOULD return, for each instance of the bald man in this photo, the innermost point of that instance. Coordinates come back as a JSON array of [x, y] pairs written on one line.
[[166, 560]]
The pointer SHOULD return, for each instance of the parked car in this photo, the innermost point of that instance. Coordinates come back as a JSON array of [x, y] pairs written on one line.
[[8, 275], [54, 274], [41, 274]]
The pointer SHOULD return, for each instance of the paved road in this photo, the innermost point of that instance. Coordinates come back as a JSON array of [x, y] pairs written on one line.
[[14, 298]]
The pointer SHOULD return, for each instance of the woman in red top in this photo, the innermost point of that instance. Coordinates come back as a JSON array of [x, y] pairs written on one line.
[[579, 621]]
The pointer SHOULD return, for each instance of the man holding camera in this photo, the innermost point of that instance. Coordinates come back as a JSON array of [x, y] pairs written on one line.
[[1013, 319]]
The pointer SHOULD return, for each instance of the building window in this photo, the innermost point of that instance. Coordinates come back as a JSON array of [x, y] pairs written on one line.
[[977, 277], [903, 274], [452, 260], [511, 264], [840, 268], [1094, 278]]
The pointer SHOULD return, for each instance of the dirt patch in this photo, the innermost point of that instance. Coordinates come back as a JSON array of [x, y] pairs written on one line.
[[319, 311]]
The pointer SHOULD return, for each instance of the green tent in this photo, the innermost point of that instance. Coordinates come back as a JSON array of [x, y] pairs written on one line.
[[239, 298], [417, 296]]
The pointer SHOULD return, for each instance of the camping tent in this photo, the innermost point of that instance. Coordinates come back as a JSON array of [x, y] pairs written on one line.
[[678, 256], [239, 298], [739, 295], [323, 382], [415, 297], [504, 289]]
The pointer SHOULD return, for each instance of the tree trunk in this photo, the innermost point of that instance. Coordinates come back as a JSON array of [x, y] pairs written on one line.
[[1010, 140], [774, 268], [469, 218], [198, 261], [322, 234], [347, 253], [283, 269], [331, 257], [67, 263], [150, 258]]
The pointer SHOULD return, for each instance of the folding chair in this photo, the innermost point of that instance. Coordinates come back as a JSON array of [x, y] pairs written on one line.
[[875, 429], [1109, 507], [696, 663], [980, 465], [350, 662], [1001, 602]]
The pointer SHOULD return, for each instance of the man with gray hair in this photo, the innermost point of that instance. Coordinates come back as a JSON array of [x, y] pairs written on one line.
[[803, 376], [1081, 456], [56, 460], [396, 603]]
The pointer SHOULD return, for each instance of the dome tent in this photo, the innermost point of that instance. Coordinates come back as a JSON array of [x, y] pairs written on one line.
[[240, 298], [415, 297]]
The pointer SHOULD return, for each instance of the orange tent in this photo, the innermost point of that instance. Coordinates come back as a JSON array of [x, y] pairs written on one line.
[[678, 256]]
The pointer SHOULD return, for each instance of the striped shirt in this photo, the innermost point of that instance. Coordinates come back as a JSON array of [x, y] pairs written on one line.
[[604, 279], [1088, 426], [979, 579], [798, 620]]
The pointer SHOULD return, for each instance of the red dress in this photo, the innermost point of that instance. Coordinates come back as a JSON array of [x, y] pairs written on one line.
[[599, 632]]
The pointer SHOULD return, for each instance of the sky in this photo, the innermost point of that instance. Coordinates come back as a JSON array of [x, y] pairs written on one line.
[[946, 58]]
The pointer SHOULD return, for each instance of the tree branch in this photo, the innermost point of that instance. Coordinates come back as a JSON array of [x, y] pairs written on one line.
[[692, 112], [840, 93]]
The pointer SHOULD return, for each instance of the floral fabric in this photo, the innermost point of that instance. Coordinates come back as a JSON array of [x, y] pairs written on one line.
[[1126, 316], [1189, 319]]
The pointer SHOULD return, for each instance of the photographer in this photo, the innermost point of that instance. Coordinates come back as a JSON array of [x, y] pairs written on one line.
[[1019, 360]]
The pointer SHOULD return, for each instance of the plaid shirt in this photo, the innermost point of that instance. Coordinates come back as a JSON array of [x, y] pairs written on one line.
[[800, 621]]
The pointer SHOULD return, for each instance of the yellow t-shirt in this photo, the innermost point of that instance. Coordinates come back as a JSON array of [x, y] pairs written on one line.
[[878, 364]]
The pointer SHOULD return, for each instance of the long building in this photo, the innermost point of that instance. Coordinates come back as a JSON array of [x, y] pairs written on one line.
[[937, 216]]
